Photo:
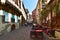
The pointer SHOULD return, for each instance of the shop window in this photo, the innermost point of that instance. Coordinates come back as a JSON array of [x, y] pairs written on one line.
[[13, 18], [5, 17]]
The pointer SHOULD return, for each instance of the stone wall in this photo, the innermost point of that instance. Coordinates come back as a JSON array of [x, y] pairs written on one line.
[[6, 27]]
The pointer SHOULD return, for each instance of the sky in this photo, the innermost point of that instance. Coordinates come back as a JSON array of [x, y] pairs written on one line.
[[30, 5]]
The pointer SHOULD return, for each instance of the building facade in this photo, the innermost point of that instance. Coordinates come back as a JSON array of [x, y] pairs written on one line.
[[38, 11], [29, 19], [12, 14], [53, 18], [51, 13], [40, 6], [34, 16]]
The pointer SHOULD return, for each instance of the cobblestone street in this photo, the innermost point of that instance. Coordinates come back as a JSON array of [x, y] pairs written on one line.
[[19, 34]]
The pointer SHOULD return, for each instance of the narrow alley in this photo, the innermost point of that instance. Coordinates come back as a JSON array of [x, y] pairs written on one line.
[[29, 19], [20, 34]]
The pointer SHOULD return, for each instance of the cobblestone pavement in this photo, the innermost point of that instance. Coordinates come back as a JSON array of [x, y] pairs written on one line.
[[19, 34]]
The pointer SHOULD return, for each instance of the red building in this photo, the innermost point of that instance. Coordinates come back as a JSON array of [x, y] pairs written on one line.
[[34, 15]]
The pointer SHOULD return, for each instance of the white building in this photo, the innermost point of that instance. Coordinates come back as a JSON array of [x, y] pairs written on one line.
[[10, 13]]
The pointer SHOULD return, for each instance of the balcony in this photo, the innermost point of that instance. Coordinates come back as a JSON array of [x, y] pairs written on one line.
[[15, 4], [11, 6]]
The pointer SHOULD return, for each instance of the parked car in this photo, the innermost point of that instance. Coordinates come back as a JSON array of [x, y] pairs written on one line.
[[36, 32]]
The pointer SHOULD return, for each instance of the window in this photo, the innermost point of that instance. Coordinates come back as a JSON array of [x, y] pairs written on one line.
[[44, 1], [12, 18], [16, 1], [5, 16], [19, 3]]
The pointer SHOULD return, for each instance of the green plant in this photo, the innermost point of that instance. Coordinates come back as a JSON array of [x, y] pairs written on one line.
[[43, 14], [57, 7]]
